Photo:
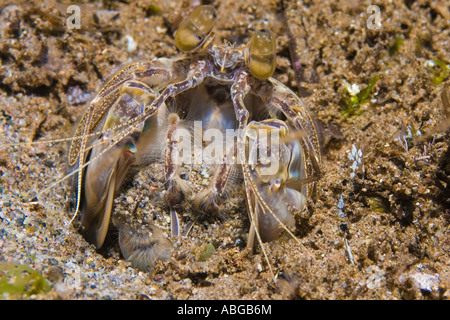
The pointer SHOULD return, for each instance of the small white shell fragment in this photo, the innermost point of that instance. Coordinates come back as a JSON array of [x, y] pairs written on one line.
[[353, 89], [131, 44]]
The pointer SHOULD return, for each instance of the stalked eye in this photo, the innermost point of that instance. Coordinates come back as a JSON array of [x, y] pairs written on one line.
[[261, 58], [194, 30]]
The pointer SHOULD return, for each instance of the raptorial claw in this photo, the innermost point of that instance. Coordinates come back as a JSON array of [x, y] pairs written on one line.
[[107, 167], [273, 164], [104, 176]]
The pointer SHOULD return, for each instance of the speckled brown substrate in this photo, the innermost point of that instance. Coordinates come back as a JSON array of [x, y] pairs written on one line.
[[376, 229]]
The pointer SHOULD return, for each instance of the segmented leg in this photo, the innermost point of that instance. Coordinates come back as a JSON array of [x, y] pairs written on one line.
[[160, 141], [176, 188]]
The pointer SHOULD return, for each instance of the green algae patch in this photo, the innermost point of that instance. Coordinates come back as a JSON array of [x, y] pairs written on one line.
[[393, 50], [379, 205], [154, 10], [207, 252], [20, 281], [439, 71], [352, 102]]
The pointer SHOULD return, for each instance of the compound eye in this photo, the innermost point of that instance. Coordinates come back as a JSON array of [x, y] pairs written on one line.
[[194, 30], [262, 54]]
